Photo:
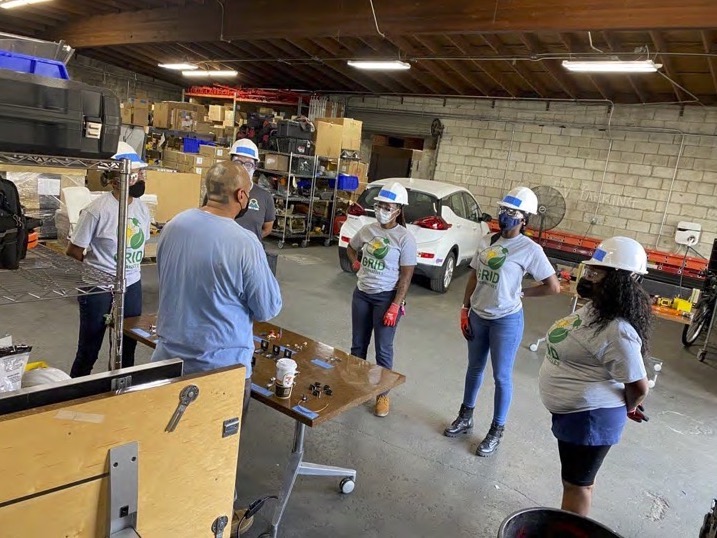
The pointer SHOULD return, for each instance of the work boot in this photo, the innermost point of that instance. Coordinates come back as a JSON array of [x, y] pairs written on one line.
[[463, 424], [382, 406], [240, 524], [491, 441]]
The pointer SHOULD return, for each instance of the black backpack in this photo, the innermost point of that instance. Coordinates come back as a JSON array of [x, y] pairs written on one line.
[[13, 226]]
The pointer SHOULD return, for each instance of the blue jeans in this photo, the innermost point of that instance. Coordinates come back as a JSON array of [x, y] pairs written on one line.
[[367, 312], [93, 309], [501, 337]]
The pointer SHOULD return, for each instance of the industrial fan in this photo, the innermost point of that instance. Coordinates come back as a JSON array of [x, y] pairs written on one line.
[[551, 209]]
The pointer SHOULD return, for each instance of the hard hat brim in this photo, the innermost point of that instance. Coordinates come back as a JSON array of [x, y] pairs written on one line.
[[596, 263]]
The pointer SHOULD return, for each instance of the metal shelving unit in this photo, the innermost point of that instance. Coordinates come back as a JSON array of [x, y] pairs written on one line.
[[702, 354], [46, 274], [338, 160]]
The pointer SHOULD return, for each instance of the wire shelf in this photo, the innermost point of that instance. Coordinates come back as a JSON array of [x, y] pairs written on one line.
[[61, 162], [45, 274]]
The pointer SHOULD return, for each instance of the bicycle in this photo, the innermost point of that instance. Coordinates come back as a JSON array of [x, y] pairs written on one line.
[[702, 312]]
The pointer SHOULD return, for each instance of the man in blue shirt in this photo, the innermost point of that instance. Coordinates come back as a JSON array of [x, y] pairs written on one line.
[[214, 280]]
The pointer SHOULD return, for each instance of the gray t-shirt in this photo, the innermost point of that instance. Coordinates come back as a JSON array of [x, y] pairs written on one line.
[[261, 210], [384, 252], [584, 369], [96, 231], [500, 269]]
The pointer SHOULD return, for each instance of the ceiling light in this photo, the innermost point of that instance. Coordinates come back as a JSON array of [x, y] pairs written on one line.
[[611, 66], [9, 4], [377, 65], [210, 74], [179, 66]]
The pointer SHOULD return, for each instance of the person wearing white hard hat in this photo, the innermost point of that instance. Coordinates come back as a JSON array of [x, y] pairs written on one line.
[[94, 242], [593, 377], [492, 310], [258, 217], [389, 256]]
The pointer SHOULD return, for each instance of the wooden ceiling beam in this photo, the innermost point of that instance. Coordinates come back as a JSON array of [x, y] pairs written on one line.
[[461, 43], [133, 62], [574, 46], [204, 22], [498, 48], [661, 46], [534, 46], [614, 45], [208, 53], [458, 67], [709, 46], [436, 78]]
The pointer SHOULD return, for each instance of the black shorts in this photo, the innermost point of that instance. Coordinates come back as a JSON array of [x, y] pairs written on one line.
[[581, 463]]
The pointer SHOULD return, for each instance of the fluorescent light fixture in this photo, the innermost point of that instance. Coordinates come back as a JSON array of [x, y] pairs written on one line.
[[9, 4], [179, 66], [377, 65], [611, 66], [210, 74]]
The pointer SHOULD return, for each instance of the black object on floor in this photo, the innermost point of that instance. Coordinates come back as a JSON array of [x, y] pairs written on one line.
[[552, 523]]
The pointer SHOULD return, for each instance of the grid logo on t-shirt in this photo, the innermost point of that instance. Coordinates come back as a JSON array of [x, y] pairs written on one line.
[[135, 243], [492, 259], [559, 332], [376, 250]]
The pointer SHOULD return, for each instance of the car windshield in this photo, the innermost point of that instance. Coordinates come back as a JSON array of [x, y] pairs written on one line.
[[420, 204]]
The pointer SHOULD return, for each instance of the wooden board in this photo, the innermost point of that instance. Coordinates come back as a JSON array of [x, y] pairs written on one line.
[[186, 478], [352, 380]]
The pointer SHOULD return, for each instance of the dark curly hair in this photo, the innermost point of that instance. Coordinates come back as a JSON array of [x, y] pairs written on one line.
[[620, 296]]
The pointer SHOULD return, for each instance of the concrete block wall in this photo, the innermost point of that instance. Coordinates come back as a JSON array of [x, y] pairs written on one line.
[[121, 81], [620, 169]]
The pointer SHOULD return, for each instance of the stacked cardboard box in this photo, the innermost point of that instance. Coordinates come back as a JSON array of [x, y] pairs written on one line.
[[165, 117], [336, 134], [135, 111], [218, 153], [175, 192]]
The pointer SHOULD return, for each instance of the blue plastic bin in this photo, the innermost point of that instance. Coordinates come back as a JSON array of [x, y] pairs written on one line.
[[34, 65], [346, 182], [190, 145]]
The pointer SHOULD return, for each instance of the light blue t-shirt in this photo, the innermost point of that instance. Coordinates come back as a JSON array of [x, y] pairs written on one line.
[[214, 282]]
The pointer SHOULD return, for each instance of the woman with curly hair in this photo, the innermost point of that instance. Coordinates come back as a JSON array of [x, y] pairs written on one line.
[[593, 377]]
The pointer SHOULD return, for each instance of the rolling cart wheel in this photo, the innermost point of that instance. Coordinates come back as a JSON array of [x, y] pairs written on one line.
[[658, 367], [304, 243], [347, 485], [533, 347], [280, 245], [651, 383], [702, 355], [327, 242]]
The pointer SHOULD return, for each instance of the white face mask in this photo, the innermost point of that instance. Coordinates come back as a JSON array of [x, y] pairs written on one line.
[[384, 216]]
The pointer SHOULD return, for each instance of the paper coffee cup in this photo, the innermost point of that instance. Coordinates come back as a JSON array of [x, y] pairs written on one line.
[[285, 372], [281, 391]]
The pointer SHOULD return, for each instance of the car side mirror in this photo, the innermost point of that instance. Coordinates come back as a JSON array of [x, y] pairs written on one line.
[[485, 217]]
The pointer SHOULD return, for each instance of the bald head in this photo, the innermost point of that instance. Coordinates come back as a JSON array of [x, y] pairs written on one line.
[[223, 180]]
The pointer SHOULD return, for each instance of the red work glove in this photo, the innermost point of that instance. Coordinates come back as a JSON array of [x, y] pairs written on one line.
[[356, 265], [466, 323], [390, 318], [638, 414]]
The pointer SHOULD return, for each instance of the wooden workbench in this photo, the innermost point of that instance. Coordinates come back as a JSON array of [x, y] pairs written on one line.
[[352, 380]]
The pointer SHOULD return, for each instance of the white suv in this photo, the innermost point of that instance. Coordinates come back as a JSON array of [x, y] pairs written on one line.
[[445, 219]]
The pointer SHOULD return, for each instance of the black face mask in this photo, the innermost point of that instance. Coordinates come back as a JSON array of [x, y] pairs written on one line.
[[585, 288], [243, 211], [137, 190]]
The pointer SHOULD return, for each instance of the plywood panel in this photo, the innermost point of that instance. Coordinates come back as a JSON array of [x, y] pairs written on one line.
[[186, 478]]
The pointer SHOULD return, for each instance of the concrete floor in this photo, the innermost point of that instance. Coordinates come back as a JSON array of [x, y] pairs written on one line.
[[412, 481]]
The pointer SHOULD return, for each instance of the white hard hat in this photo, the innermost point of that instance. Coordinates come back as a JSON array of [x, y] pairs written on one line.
[[522, 199], [393, 193], [43, 376], [245, 148], [620, 253], [125, 151]]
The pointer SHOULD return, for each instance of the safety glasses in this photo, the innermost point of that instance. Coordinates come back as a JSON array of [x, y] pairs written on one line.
[[380, 205], [510, 212], [249, 166]]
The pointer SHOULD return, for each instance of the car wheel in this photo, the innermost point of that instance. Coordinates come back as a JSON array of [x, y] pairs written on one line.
[[345, 263], [441, 283]]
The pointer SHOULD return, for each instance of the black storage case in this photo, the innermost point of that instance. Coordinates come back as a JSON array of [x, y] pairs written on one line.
[[48, 116], [294, 129]]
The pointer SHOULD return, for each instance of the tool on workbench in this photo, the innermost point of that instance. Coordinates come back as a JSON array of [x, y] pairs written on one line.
[[186, 397]]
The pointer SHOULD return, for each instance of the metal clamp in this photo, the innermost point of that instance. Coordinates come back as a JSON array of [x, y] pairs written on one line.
[[124, 485]]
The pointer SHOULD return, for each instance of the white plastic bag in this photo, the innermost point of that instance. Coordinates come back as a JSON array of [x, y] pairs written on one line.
[[12, 365]]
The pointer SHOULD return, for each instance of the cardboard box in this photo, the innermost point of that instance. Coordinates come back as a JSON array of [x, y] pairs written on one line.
[[93, 181], [183, 120], [276, 162], [229, 118], [214, 152], [216, 113], [176, 192], [140, 117], [351, 134], [355, 168], [126, 113], [203, 128], [163, 112], [329, 139]]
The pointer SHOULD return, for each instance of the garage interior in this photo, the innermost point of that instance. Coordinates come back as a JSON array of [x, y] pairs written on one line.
[[486, 104]]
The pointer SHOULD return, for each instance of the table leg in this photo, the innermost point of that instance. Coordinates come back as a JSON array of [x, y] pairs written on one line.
[[296, 467]]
